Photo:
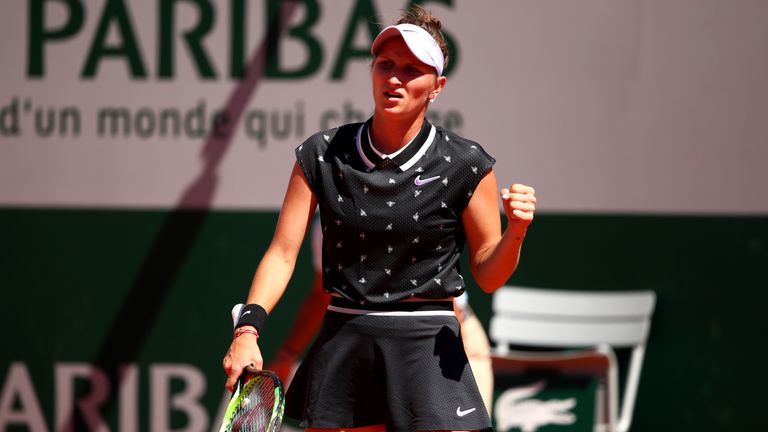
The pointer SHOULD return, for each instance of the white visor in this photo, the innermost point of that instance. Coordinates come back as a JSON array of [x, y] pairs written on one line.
[[418, 40]]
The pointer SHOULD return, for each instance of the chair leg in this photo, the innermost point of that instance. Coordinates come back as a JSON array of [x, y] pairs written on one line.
[[602, 405], [606, 403]]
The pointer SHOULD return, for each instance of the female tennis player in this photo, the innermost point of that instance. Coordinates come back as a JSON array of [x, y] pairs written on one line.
[[398, 200]]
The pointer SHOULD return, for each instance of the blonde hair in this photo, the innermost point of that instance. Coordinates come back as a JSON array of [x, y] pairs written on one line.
[[423, 18]]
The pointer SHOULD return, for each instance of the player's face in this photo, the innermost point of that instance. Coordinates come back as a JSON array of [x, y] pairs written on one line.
[[402, 84]]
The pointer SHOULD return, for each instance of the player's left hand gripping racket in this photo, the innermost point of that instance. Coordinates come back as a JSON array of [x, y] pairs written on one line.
[[256, 404]]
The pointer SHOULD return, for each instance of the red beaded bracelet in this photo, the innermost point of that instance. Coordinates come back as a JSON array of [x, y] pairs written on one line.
[[242, 330]]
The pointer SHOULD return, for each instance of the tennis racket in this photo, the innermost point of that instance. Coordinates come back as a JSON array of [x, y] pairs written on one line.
[[256, 404]]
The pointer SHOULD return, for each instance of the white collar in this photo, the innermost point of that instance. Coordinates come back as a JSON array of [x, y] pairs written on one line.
[[391, 155], [408, 164]]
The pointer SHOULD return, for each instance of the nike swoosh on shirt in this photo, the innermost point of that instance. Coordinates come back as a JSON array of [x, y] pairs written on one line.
[[461, 413], [420, 182]]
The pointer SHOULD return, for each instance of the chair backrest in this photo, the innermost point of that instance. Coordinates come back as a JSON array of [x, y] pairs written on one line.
[[564, 318]]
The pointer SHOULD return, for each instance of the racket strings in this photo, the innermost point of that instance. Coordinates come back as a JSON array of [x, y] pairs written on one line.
[[257, 407]]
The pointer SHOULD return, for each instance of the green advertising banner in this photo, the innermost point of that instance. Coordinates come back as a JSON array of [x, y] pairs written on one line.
[[121, 319]]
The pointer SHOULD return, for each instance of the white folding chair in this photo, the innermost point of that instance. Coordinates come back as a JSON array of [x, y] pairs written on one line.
[[587, 325]]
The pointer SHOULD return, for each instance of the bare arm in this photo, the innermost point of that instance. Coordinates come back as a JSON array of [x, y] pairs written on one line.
[[494, 256], [275, 269], [277, 264]]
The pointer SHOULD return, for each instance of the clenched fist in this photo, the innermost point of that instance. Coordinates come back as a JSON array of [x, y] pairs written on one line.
[[519, 203]]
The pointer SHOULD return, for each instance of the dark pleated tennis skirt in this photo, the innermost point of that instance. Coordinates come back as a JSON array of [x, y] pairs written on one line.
[[401, 365]]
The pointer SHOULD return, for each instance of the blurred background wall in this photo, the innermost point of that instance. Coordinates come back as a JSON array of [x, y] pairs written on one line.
[[145, 147]]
